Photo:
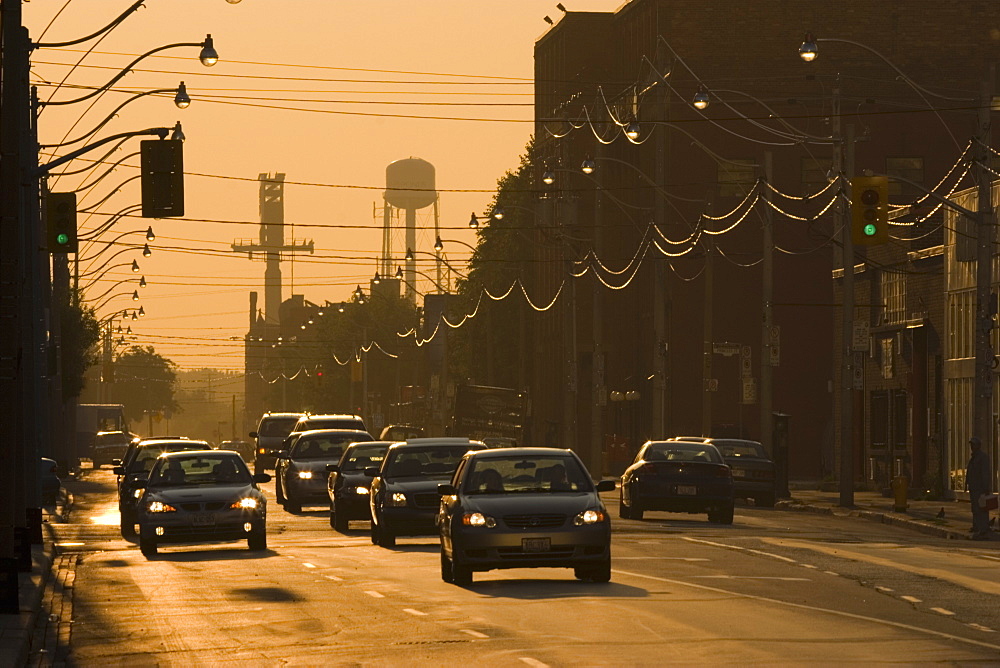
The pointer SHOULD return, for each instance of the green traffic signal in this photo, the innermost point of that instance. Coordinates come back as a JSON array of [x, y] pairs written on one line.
[[870, 230], [62, 239]]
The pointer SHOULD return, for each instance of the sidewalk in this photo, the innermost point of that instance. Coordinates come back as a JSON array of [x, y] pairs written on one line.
[[945, 519]]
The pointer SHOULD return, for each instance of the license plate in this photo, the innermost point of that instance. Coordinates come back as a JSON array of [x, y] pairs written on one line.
[[203, 520], [739, 473], [536, 544], [689, 490]]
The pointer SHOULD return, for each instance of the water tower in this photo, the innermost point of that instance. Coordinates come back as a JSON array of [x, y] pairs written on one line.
[[409, 185]]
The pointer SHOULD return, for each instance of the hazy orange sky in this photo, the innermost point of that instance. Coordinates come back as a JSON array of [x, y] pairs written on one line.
[[325, 91]]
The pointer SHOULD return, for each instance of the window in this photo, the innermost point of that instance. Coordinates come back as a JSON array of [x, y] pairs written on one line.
[[911, 169], [736, 177], [961, 316], [815, 174], [893, 287], [887, 352]]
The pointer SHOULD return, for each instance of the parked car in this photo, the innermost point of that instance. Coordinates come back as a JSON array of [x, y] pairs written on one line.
[[201, 496], [271, 433], [108, 446], [404, 498], [753, 470], [48, 476], [500, 441], [135, 469], [523, 508], [348, 486], [300, 474], [400, 432], [680, 477], [245, 449]]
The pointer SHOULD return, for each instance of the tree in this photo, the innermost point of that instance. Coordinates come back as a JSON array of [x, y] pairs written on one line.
[[80, 333], [144, 382]]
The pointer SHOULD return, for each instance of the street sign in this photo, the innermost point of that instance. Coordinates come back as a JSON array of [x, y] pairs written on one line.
[[749, 391], [711, 384], [858, 375], [726, 349], [746, 367], [745, 352], [774, 358], [861, 336]]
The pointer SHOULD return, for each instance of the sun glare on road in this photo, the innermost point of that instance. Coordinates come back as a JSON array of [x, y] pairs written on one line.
[[109, 517]]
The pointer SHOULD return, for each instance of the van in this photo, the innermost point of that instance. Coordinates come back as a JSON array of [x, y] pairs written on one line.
[[271, 433]]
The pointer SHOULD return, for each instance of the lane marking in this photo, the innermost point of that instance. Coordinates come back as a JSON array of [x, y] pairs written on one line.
[[334, 577], [474, 634], [415, 612], [375, 594], [308, 565], [533, 662], [749, 577], [884, 589], [911, 599], [942, 611], [831, 572], [980, 627], [742, 549], [79, 544], [803, 606], [810, 565], [662, 558]]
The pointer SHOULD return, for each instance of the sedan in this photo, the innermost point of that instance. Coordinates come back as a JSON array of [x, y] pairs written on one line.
[[404, 496], [300, 473], [678, 476], [202, 496], [347, 485], [753, 470], [523, 507]]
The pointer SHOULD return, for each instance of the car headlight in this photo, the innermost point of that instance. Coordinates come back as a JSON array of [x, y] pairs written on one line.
[[137, 493], [160, 507], [306, 475], [262, 451], [361, 490], [244, 504], [588, 517], [395, 499], [478, 520]]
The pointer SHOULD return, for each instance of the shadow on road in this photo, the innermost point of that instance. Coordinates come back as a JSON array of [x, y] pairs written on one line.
[[561, 585]]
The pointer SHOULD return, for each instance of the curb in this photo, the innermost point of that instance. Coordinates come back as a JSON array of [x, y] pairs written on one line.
[[875, 516]]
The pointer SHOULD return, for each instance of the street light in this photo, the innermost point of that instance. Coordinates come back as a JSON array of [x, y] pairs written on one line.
[[701, 98]]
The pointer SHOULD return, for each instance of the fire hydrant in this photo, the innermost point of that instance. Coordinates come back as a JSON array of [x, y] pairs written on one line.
[[900, 487]]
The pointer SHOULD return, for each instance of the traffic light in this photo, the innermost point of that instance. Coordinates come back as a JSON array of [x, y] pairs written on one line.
[[162, 164], [869, 210], [60, 220]]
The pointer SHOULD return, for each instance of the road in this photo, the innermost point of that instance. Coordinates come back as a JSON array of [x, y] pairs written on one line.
[[775, 587]]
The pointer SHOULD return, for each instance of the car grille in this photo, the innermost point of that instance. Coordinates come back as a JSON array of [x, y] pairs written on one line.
[[538, 521], [426, 500], [514, 554], [196, 507]]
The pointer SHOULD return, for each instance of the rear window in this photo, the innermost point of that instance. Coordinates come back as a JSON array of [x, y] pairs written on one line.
[[321, 447], [333, 423], [277, 426], [682, 452], [111, 439], [734, 450]]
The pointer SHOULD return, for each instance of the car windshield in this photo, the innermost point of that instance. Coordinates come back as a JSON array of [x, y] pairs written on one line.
[[320, 447], [277, 426], [531, 474], [147, 455], [682, 452], [205, 469], [364, 456], [748, 449], [424, 461]]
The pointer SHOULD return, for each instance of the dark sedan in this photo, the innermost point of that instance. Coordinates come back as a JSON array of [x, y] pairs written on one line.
[[678, 476], [300, 473], [201, 496], [753, 470], [404, 498], [523, 507], [348, 486]]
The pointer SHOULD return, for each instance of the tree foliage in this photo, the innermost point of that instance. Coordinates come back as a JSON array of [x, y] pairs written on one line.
[[144, 382], [80, 333]]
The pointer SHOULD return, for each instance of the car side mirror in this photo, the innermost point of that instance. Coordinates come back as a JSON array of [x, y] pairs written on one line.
[[371, 471], [606, 486], [140, 484], [333, 468], [262, 477], [252, 434], [118, 470], [116, 462], [447, 490], [279, 454]]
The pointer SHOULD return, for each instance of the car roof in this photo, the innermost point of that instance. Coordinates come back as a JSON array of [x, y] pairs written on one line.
[[167, 439], [312, 432], [364, 443], [435, 441], [111, 431], [194, 453], [522, 452], [276, 415]]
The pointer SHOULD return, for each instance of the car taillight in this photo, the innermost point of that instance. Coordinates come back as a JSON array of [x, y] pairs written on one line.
[[723, 472]]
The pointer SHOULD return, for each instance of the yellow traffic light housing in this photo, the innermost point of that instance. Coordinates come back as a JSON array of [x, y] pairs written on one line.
[[60, 223], [869, 210], [162, 164]]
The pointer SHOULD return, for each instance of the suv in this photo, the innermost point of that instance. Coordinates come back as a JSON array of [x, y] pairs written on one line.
[[108, 446], [329, 421], [270, 434]]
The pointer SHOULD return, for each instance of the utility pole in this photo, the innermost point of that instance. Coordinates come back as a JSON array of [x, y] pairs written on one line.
[[847, 324], [599, 393], [767, 298], [986, 304], [659, 406], [707, 391]]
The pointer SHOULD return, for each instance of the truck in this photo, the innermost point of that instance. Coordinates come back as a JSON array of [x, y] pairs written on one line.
[[94, 418], [494, 413]]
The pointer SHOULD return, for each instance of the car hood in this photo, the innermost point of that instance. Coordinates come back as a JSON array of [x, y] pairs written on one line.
[[415, 485], [528, 504], [314, 465], [202, 494]]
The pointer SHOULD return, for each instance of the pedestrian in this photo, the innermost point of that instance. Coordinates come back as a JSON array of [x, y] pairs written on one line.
[[978, 483]]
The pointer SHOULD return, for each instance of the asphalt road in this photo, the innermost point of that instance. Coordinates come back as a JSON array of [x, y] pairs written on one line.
[[775, 587]]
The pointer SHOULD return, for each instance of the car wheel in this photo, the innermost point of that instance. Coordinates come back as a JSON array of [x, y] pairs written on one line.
[[374, 533], [598, 573], [764, 500], [446, 572], [624, 511], [128, 523], [279, 493], [257, 540], [293, 506], [338, 519], [386, 537], [147, 546], [722, 515], [461, 575], [635, 511]]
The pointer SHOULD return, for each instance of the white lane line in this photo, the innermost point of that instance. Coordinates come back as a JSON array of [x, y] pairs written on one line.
[[742, 549], [986, 556], [79, 544], [661, 558], [533, 662], [474, 634], [831, 572], [911, 599], [804, 606], [375, 594], [415, 612], [980, 627], [884, 589], [748, 577], [308, 565], [942, 611], [335, 578], [810, 565]]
